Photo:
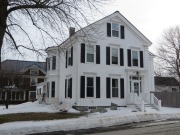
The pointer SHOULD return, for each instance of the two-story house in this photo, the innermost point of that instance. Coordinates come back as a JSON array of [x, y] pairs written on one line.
[[101, 64]]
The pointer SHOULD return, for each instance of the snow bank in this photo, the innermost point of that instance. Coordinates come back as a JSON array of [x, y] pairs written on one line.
[[113, 117], [27, 107]]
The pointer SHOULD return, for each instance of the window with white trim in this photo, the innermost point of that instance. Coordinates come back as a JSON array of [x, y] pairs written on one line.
[[115, 87], [115, 30], [53, 62], [34, 72], [90, 53], [33, 81], [53, 89], [114, 56], [48, 85], [90, 87], [135, 58]]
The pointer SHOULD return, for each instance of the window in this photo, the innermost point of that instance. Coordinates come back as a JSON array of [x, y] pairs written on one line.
[[135, 58], [33, 81], [68, 88], [34, 72], [114, 56], [115, 30], [54, 63], [69, 58], [32, 95], [90, 53], [174, 89], [90, 87], [52, 89], [115, 88]]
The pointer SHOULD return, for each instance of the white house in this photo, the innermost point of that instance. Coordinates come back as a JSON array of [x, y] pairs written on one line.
[[103, 63]]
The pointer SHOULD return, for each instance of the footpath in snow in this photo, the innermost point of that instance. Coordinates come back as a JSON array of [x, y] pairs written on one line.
[[113, 117]]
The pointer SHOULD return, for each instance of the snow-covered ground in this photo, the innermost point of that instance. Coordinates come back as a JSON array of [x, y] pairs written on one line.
[[113, 117]]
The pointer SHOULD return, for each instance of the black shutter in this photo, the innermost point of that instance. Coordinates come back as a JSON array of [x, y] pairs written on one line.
[[122, 87], [82, 84], [122, 32], [82, 53], [98, 87], [108, 87], [65, 88], [121, 57], [129, 57], [141, 59], [109, 29], [107, 55], [97, 54], [66, 58], [71, 56], [70, 91]]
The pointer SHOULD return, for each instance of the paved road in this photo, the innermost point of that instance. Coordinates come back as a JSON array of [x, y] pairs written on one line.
[[143, 128], [165, 129]]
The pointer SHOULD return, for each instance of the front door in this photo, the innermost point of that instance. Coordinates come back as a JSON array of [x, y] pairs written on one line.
[[136, 87]]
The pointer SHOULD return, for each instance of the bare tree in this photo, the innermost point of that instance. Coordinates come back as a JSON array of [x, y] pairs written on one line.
[[46, 16], [169, 52]]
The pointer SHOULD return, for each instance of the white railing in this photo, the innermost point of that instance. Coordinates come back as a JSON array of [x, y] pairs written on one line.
[[134, 99], [155, 102]]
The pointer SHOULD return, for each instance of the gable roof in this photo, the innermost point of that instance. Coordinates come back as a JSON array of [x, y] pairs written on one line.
[[166, 81], [116, 13], [19, 65]]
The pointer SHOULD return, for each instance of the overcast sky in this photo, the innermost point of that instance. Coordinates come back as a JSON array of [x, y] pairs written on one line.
[[151, 17]]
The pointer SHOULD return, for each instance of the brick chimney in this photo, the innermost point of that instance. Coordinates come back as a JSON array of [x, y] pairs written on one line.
[[71, 31]]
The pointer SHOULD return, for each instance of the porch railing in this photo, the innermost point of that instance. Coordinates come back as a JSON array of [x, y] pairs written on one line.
[[136, 100], [155, 101]]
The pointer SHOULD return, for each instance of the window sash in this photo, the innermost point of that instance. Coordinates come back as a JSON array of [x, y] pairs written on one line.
[[52, 89], [115, 88], [90, 54], [114, 56], [90, 87], [115, 30], [69, 57], [53, 62], [135, 59]]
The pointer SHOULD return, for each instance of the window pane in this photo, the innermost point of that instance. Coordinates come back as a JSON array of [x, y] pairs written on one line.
[[115, 83], [115, 52], [134, 54], [90, 81], [90, 57], [115, 33], [115, 26], [135, 62], [90, 92], [90, 49], [54, 62], [114, 92], [114, 60]]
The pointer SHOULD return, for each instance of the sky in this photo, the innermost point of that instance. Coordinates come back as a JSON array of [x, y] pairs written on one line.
[[151, 17]]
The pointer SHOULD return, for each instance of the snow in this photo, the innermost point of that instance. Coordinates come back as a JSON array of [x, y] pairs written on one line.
[[113, 117], [27, 107]]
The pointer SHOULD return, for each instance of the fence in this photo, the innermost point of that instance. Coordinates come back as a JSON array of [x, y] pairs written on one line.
[[169, 99]]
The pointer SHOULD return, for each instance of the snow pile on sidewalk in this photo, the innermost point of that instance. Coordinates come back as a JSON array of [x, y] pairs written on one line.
[[27, 107], [112, 117]]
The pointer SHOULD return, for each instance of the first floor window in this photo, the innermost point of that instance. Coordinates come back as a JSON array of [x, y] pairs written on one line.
[[68, 88], [90, 87], [135, 58], [114, 56], [32, 95], [90, 53], [52, 89], [115, 88]]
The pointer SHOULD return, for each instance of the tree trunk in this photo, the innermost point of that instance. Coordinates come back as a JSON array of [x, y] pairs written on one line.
[[3, 18]]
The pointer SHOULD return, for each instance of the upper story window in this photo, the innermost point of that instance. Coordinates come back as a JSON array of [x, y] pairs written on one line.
[[69, 58], [114, 56], [48, 64], [33, 81], [115, 30], [90, 53], [34, 72], [135, 58], [54, 63]]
